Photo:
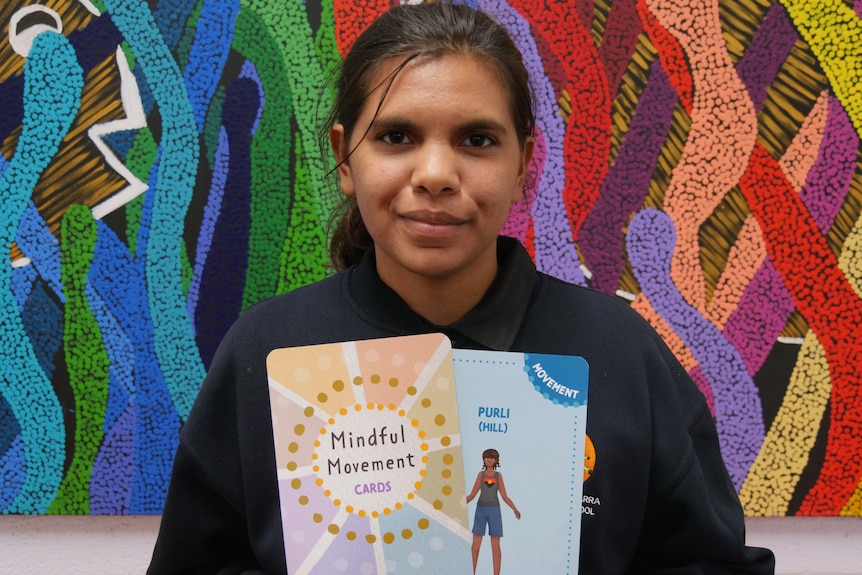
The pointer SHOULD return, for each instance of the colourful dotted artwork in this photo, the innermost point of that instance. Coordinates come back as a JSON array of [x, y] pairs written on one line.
[[160, 170], [368, 456]]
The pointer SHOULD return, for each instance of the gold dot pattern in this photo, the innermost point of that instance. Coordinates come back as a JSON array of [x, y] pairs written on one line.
[[370, 406], [421, 403]]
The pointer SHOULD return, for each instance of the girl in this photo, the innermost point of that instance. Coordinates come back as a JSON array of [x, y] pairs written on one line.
[[433, 134], [490, 482]]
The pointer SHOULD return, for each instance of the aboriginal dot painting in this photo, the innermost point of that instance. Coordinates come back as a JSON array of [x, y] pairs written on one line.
[[160, 170]]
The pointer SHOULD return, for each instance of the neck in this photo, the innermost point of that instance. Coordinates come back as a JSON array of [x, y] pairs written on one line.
[[442, 301]]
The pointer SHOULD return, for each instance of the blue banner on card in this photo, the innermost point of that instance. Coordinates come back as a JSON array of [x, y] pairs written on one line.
[[561, 379]]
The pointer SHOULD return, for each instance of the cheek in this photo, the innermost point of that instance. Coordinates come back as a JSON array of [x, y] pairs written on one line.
[[499, 186], [500, 196], [365, 201], [373, 202], [378, 176]]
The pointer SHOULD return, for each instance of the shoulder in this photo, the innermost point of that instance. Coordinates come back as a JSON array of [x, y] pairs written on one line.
[[316, 313], [301, 307], [556, 292], [323, 292], [561, 309], [629, 362]]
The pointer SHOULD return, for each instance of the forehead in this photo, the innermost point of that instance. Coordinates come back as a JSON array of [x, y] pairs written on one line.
[[449, 83]]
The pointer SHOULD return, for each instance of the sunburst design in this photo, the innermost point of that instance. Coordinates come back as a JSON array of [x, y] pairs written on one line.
[[365, 467]]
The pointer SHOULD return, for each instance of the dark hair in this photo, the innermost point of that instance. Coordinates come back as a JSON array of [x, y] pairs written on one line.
[[411, 31], [493, 454]]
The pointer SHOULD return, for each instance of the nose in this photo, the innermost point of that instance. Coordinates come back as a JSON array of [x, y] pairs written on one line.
[[435, 168]]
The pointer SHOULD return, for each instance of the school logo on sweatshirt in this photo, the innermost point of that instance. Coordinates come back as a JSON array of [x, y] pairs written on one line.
[[589, 458], [589, 503]]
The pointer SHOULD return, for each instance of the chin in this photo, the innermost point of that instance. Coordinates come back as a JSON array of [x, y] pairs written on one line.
[[438, 267]]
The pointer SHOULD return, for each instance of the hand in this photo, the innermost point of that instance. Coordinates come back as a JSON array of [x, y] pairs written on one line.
[[517, 514]]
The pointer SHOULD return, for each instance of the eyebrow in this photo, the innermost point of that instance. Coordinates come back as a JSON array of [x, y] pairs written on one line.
[[398, 124]]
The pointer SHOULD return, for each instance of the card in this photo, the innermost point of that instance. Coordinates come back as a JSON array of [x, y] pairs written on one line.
[[379, 442], [369, 466], [531, 409]]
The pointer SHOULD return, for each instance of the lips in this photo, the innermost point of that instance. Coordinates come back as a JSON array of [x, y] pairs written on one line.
[[433, 218], [430, 226]]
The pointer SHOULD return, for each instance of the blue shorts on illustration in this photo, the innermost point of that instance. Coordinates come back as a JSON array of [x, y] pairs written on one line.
[[491, 516]]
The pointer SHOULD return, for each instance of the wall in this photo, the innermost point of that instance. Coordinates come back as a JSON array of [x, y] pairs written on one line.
[[697, 158], [122, 545]]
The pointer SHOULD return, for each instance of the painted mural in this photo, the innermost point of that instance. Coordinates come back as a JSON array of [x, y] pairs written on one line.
[[160, 170]]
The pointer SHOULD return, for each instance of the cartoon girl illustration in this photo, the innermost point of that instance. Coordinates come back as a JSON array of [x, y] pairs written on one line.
[[489, 482]]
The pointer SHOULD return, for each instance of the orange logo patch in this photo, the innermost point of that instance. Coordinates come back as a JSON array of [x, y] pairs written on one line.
[[589, 458]]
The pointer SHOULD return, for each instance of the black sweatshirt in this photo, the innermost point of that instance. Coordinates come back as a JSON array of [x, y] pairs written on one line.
[[659, 500]]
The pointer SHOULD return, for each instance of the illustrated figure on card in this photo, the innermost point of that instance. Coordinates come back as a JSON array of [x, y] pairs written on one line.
[[488, 518]]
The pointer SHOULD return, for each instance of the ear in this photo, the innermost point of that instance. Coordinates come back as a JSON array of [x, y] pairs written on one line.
[[339, 144], [523, 168]]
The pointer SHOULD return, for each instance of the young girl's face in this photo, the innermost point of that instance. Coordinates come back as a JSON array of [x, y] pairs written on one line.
[[438, 170]]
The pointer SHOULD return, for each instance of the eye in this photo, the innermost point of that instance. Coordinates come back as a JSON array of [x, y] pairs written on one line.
[[395, 138], [479, 141]]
